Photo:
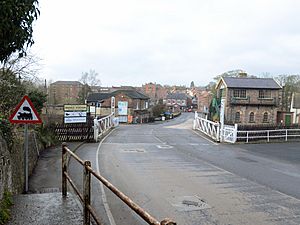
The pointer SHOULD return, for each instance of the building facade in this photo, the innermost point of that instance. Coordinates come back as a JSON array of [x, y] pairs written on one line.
[[177, 101], [129, 105], [249, 100], [295, 108], [64, 92]]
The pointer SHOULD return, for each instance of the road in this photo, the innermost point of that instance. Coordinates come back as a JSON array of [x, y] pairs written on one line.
[[172, 171]]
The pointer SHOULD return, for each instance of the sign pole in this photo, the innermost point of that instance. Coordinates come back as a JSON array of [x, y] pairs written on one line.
[[25, 113], [26, 158]]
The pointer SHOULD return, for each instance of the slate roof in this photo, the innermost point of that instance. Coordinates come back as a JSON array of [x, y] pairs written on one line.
[[253, 83], [132, 94], [179, 96], [94, 97], [296, 101]]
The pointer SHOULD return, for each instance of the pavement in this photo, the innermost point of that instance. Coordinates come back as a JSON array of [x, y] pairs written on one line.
[[44, 204]]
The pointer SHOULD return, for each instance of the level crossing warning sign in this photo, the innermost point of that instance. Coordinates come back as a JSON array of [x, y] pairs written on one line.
[[25, 113]]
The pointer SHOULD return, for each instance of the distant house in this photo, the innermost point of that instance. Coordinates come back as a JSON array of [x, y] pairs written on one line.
[[64, 92], [295, 107], [177, 101], [204, 98], [154, 91], [249, 100], [130, 105]]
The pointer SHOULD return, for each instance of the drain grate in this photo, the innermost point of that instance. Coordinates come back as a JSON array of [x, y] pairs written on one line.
[[49, 190], [190, 203]]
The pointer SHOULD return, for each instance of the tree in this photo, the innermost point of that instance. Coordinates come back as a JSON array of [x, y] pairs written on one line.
[[158, 109], [38, 99], [16, 26], [192, 84], [290, 84], [89, 80], [11, 92]]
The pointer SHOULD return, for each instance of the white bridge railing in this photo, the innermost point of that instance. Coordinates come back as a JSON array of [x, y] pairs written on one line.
[[208, 127], [102, 125], [267, 135]]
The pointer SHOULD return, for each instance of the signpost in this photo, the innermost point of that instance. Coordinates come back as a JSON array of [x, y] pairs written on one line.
[[25, 113], [75, 113]]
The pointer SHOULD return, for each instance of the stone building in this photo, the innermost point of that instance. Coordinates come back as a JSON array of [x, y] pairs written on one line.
[[249, 100]]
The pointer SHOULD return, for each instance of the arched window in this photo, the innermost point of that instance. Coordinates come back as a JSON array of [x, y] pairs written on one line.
[[237, 118], [265, 117], [251, 117]]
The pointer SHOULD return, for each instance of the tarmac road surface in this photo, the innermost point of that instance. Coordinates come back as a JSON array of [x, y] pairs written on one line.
[[171, 171]]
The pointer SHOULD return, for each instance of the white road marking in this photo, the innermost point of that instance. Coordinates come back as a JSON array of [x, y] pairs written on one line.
[[159, 139], [205, 138], [104, 199]]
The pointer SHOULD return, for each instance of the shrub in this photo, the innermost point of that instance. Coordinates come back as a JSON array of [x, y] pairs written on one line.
[[5, 205]]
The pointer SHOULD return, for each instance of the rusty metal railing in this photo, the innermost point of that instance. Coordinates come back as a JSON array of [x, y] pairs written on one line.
[[85, 197]]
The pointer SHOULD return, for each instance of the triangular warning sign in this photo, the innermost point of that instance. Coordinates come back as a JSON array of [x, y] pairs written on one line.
[[25, 112]]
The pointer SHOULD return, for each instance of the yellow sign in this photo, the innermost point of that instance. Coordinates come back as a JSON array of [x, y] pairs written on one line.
[[82, 108]]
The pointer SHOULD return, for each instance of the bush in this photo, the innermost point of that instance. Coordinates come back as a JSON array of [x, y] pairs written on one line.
[[6, 131], [5, 204], [46, 135]]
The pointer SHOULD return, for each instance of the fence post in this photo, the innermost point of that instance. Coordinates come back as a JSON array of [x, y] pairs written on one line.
[[64, 169], [96, 130], [268, 136], [286, 134], [218, 133], [86, 193], [235, 132], [247, 136]]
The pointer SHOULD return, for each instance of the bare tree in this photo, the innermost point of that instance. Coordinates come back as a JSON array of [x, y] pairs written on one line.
[[90, 80]]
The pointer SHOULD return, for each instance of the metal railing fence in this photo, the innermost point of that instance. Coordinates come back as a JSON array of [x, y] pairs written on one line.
[[85, 197]]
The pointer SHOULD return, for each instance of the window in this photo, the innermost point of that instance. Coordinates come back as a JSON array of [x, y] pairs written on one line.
[[239, 93], [237, 118], [265, 117], [251, 117], [264, 94]]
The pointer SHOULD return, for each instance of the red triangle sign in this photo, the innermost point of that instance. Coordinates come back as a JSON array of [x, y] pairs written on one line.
[[25, 112]]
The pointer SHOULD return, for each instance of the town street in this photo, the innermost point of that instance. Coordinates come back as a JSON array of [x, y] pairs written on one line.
[[171, 171]]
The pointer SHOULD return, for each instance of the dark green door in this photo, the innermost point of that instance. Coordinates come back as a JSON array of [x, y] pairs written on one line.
[[287, 120]]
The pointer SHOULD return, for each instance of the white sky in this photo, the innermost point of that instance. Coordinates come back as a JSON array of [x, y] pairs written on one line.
[[132, 42]]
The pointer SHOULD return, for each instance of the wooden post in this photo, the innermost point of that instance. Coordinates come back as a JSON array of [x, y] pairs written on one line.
[[86, 193], [64, 169]]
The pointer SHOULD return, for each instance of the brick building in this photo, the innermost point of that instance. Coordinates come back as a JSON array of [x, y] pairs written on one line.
[[204, 98], [250, 100], [134, 105], [64, 92], [154, 91]]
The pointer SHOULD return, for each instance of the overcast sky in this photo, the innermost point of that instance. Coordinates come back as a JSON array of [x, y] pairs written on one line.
[[132, 42]]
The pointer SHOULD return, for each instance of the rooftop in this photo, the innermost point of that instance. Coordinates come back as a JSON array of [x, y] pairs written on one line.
[[254, 83]]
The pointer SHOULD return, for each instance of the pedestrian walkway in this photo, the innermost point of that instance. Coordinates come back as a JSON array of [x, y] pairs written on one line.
[[44, 204], [45, 209]]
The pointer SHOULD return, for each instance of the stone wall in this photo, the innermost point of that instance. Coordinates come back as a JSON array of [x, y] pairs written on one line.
[[12, 163]]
